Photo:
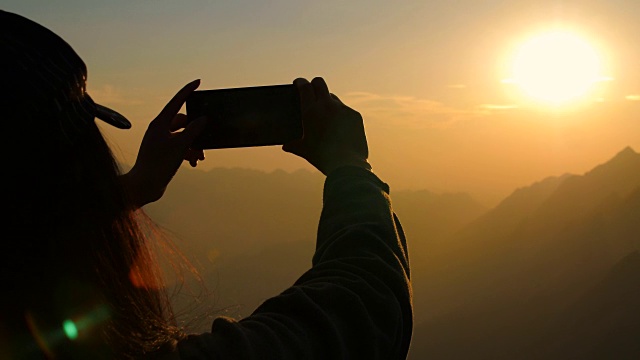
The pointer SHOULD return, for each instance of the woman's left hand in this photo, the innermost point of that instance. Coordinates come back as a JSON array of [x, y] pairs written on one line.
[[163, 149]]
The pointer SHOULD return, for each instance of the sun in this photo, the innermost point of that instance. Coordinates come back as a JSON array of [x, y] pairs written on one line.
[[556, 67]]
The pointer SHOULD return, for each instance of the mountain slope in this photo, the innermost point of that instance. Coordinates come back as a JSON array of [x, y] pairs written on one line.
[[604, 322], [252, 233], [498, 289]]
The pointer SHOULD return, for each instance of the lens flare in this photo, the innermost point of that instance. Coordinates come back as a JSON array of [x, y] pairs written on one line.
[[70, 329], [50, 337]]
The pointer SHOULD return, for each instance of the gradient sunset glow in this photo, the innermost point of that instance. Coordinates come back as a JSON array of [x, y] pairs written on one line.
[[428, 77]]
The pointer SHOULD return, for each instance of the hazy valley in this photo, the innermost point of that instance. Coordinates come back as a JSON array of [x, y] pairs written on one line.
[[551, 272]]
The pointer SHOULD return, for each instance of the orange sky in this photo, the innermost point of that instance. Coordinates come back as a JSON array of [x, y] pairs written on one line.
[[425, 75]]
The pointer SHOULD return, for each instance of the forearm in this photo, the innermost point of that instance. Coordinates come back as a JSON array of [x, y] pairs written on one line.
[[357, 202], [360, 240], [354, 303]]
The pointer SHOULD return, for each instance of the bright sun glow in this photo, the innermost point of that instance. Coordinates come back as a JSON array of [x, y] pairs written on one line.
[[556, 67]]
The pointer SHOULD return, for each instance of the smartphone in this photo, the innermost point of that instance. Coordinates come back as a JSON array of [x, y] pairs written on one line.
[[246, 117]]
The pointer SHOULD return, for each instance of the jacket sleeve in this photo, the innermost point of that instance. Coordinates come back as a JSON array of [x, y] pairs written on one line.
[[355, 301]]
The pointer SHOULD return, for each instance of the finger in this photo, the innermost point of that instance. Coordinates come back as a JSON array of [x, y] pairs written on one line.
[[191, 153], [335, 97], [192, 130], [307, 95], [320, 88], [293, 147], [174, 105], [192, 156], [178, 122], [286, 147]]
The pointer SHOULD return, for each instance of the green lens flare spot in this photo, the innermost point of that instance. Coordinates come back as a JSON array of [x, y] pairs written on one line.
[[70, 329]]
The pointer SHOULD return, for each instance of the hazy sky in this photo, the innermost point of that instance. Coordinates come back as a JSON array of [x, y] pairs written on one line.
[[426, 75]]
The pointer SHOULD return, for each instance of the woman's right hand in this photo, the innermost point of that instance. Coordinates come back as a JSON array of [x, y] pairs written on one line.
[[333, 132]]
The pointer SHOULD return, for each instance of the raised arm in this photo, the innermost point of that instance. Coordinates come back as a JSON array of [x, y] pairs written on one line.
[[355, 301]]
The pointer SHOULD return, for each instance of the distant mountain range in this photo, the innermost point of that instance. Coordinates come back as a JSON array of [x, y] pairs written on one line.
[[604, 323], [524, 269], [252, 233], [552, 272]]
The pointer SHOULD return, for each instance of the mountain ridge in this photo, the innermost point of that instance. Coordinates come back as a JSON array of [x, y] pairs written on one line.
[[521, 276], [491, 279]]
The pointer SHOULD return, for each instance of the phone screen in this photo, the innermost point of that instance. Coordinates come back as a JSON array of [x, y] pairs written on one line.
[[244, 117]]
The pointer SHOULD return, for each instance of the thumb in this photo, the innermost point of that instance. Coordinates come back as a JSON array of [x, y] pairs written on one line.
[[287, 147], [193, 129], [293, 147]]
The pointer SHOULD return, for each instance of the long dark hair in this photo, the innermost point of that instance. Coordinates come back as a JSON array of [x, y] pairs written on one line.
[[78, 273], [80, 264]]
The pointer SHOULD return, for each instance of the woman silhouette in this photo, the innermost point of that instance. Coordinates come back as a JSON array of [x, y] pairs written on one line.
[[79, 279]]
